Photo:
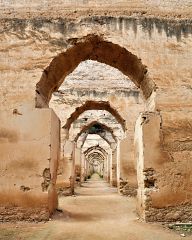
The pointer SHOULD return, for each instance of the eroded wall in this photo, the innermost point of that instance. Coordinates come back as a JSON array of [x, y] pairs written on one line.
[[28, 165], [164, 44], [174, 7], [164, 182]]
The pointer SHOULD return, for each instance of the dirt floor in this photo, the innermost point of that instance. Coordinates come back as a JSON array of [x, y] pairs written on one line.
[[97, 212]]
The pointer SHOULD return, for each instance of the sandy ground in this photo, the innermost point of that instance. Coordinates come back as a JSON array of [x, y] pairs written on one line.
[[96, 212]]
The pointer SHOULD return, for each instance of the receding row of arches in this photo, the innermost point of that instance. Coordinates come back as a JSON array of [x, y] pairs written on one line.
[[94, 144], [94, 153]]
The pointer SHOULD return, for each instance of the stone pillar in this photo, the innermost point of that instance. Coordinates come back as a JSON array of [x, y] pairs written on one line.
[[102, 169], [68, 164], [114, 168], [85, 172], [62, 164], [113, 174], [82, 177], [88, 172], [72, 178], [90, 169], [87, 167], [118, 164], [140, 167], [128, 172], [109, 164], [105, 172], [77, 164]]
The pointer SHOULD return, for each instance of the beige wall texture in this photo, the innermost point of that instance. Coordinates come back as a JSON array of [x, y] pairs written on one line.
[[29, 158], [162, 4], [164, 45]]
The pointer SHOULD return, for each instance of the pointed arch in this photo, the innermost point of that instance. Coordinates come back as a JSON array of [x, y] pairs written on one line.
[[96, 147], [103, 126], [95, 105]]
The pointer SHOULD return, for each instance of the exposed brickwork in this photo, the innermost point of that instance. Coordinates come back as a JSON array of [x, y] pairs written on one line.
[[127, 190], [181, 213]]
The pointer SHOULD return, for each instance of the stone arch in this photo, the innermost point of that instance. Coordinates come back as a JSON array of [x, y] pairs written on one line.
[[82, 121], [112, 144], [92, 47], [95, 105], [93, 148], [95, 155], [87, 127], [85, 132]]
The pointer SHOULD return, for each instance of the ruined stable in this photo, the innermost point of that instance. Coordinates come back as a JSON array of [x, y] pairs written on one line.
[[99, 90]]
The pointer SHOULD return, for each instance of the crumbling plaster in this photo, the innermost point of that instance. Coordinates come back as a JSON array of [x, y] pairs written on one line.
[[164, 44]]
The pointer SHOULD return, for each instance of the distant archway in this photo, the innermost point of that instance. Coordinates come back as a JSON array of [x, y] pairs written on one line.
[[104, 132], [95, 148], [101, 116], [95, 156], [94, 105], [103, 127]]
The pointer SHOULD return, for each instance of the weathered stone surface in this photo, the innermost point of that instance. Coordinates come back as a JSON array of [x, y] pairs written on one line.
[[15, 214], [127, 190], [150, 42], [180, 213]]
